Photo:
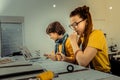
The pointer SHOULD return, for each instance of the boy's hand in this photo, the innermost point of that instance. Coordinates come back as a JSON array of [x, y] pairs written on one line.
[[60, 56], [50, 56]]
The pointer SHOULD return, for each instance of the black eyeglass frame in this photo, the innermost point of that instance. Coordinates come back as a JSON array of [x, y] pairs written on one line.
[[72, 26]]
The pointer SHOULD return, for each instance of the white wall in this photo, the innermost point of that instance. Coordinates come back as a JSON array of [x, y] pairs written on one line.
[[39, 13], [42, 16]]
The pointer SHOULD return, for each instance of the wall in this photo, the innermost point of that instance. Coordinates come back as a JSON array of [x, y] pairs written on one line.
[[39, 19], [39, 13]]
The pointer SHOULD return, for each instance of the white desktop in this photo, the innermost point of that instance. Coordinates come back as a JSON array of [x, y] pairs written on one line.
[[25, 70]]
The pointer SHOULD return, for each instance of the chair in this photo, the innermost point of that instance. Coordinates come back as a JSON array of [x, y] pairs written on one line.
[[115, 67]]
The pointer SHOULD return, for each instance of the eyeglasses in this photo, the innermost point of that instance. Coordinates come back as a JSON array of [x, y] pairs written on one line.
[[73, 26]]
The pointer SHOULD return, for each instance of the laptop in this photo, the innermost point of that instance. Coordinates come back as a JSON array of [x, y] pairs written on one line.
[[27, 54]]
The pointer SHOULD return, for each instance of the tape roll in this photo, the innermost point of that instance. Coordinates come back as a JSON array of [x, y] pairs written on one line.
[[70, 68], [48, 75]]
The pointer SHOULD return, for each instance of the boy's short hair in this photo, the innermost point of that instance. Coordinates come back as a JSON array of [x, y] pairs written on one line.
[[55, 27]]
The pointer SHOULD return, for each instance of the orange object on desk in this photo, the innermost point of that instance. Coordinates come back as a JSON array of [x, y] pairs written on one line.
[[48, 75]]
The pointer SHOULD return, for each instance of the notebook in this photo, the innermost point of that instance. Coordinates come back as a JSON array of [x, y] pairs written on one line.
[[16, 64], [27, 54]]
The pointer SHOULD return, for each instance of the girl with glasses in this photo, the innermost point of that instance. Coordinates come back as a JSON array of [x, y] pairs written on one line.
[[89, 45]]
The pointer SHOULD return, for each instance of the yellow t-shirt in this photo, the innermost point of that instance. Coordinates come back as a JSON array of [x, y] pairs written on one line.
[[68, 48], [101, 60]]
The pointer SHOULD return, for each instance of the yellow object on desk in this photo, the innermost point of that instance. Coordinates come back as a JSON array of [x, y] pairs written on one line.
[[48, 75]]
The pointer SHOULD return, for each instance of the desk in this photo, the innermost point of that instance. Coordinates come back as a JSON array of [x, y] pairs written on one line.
[[87, 75], [117, 57], [80, 73], [19, 69], [19, 72], [111, 54]]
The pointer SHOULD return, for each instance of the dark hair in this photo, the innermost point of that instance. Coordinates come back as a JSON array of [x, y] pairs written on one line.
[[83, 12], [55, 27]]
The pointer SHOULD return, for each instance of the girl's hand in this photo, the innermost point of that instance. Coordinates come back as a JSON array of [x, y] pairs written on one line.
[[74, 37]]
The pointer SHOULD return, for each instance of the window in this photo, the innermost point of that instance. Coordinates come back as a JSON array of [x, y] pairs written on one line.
[[11, 36]]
